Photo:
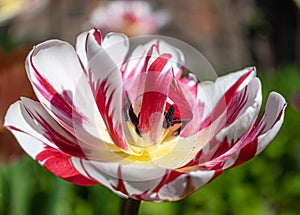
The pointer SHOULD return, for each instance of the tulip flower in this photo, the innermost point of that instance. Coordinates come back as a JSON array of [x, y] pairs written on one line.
[[13, 84], [138, 125], [129, 17]]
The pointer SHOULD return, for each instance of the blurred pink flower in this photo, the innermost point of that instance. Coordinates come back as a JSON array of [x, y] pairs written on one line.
[[129, 17], [138, 127]]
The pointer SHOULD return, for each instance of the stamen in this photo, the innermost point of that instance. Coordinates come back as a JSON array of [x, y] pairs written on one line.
[[130, 115], [133, 118], [126, 106], [177, 131], [169, 118]]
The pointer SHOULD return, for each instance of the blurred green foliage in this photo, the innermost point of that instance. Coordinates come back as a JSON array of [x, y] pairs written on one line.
[[266, 185]]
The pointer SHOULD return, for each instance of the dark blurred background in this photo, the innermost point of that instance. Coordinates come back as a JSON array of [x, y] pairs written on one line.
[[232, 35]]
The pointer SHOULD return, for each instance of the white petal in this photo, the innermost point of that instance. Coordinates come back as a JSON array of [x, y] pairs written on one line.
[[135, 180], [274, 116], [213, 99], [177, 60], [184, 185], [62, 87], [133, 66], [256, 138], [246, 114], [30, 118], [81, 48], [107, 87], [116, 46], [18, 119], [211, 93]]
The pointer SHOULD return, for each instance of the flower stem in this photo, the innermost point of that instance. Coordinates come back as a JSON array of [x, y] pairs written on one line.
[[129, 206]]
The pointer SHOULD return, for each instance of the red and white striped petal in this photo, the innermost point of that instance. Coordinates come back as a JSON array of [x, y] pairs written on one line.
[[123, 179], [154, 184], [144, 55], [62, 88], [91, 147], [134, 70], [214, 98], [266, 129], [184, 185], [256, 138], [135, 64], [157, 81], [182, 100], [271, 121], [224, 89], [242, 113], [177, 60], [43, 143], [190, 83], [59, 163], [107, 88], [116, 46]]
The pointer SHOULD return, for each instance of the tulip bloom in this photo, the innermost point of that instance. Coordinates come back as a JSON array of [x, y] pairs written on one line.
[[129, 17], [138, 126]]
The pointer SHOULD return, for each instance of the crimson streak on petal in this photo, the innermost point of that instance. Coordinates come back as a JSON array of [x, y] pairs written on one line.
[[61, 102], [59, 163], [157, 82]]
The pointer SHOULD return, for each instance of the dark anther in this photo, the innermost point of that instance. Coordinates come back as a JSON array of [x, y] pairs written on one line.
[[177, 131], [130, 115], [133, 118], [126, 107], [169, 118], [137, 130]]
